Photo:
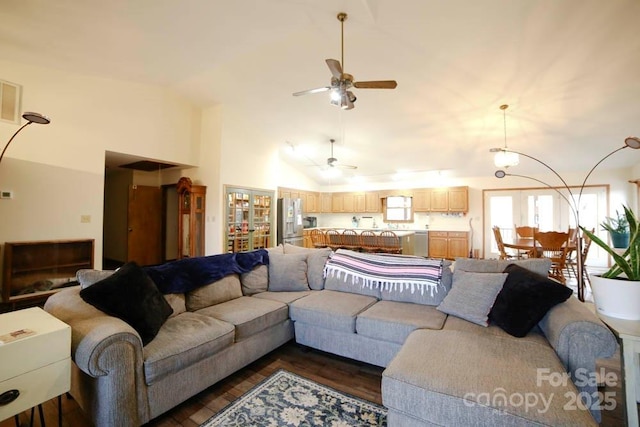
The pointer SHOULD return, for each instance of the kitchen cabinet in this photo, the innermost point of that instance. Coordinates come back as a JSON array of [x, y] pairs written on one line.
[[343, 202], [310, 203], [458, 199], [453, 199], [372, 202], [360, 203], [448, 244], [439, 200], [310, 199], [446, 200], [422, 200], [325, 202]]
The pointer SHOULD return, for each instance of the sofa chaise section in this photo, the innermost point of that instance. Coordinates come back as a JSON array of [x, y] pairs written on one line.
[[452, 377]]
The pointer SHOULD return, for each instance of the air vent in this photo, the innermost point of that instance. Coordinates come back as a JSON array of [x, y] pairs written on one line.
[[10, 95]]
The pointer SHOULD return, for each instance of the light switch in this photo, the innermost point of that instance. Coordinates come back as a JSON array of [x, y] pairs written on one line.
[[85, 218]]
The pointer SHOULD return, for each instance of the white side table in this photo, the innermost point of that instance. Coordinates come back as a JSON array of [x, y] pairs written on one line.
[[37, 364], [628, 332]]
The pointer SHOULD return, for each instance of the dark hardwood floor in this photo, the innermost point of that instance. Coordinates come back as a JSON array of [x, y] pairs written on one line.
[[356, 378]]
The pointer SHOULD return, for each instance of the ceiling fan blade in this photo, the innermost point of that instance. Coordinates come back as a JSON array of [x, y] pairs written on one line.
[[338, 165], [376, 84], [316, 90], [335, 67]]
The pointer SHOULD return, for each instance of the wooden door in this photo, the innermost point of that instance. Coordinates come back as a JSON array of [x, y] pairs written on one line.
[[144, 224]]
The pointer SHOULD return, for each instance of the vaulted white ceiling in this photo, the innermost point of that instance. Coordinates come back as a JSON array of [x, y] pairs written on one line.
[[569, 69]]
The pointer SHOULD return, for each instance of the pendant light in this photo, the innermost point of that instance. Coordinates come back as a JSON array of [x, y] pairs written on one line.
[[503, 157]]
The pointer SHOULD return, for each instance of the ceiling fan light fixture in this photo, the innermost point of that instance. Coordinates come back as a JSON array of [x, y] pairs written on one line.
[[335, 96], [331, 172], [503, 157]]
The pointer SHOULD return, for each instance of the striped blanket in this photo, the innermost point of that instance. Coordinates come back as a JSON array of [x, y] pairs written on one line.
[[390, 272]]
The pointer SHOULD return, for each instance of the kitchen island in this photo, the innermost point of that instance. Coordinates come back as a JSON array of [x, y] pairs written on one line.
[[406, 237]]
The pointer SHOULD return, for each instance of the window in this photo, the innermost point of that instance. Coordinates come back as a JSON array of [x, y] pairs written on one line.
[[398, 209]]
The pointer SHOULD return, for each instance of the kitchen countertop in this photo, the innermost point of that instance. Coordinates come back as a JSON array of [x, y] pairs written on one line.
[[400, 233]]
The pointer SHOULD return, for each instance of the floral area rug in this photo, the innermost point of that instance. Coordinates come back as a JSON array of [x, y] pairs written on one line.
[[286, 399]]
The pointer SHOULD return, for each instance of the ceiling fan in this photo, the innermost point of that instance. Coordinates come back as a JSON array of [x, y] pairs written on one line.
[[333, 162], [341, 82]]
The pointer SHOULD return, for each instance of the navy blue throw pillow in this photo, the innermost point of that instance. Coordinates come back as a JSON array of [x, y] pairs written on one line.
[[132, 296], [524, 300]]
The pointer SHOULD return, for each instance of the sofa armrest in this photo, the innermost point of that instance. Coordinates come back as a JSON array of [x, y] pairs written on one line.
[[577, 335], [108, 350], [579, 338]]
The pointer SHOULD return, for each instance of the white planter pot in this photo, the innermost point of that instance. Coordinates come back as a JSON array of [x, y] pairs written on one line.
[[616, 298]]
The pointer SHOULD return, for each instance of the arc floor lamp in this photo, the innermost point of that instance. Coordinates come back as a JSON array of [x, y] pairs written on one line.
[[30, 117], [572, 201]]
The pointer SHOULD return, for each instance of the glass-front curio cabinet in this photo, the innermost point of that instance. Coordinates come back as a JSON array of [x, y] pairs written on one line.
[[249, 216]]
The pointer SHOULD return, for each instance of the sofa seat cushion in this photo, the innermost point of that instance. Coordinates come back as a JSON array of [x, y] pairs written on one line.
[[457, 378], [394, 321], [182, 341], [249, 315], [331, 309], [285, 297]]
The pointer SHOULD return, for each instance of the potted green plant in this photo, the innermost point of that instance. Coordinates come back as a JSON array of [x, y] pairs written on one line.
[[616, 292], [618, 229]]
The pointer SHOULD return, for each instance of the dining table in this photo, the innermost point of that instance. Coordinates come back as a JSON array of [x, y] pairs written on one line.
[[527, 244]]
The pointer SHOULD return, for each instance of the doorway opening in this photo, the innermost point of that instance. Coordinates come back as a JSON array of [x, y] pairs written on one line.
[[139, 220]]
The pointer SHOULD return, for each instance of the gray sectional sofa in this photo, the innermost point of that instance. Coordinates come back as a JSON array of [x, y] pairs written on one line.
[[440, 368]]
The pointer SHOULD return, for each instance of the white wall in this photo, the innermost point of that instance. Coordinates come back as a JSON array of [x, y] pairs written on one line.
[[60, 166], [48, 202]]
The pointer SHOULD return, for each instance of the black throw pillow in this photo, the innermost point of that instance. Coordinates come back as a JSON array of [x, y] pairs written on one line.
[[132, 296], [524, 300]]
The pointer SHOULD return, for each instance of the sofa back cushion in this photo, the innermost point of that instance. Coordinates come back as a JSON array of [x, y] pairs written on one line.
[[177, 303], [427, 297], [316, 260], [255, 281], [288, 273], [537, 265], [220, 291]]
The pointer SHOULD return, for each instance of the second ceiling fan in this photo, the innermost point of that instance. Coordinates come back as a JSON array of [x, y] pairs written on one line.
[[341, 82]]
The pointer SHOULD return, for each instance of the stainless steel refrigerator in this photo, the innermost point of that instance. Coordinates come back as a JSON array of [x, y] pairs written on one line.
[[290, 221]]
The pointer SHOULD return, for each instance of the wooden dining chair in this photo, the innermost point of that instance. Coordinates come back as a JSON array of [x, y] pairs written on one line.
[[350, 240], [369, 241], [333, 239], [554, 245], [389, 242], [572, 256], [525, 231], [318, 238], [503, 252], [572, 262]]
